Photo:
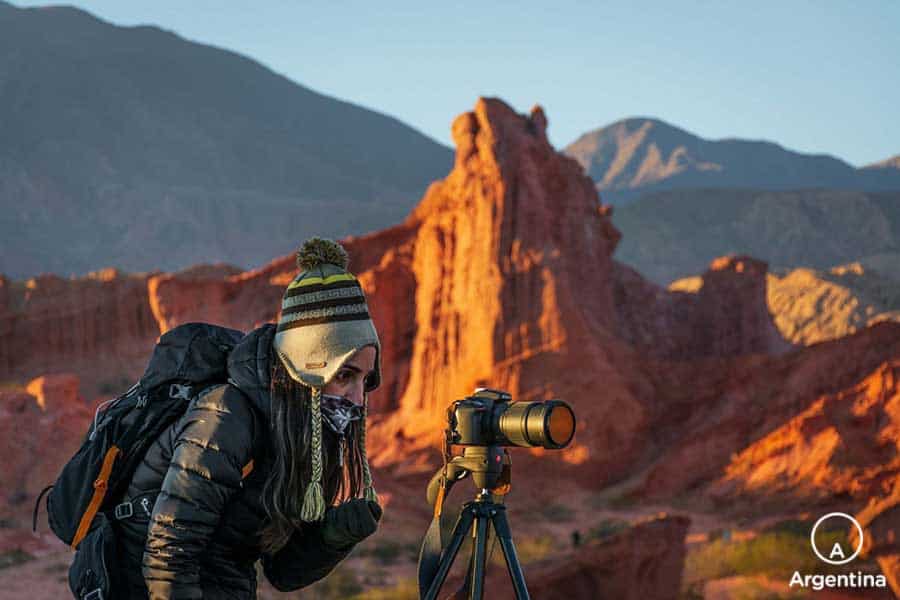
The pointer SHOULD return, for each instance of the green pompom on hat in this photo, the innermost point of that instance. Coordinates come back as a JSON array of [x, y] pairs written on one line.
[[324, 321]]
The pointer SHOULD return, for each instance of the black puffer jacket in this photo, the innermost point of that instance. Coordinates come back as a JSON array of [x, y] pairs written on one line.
[[194, 531]]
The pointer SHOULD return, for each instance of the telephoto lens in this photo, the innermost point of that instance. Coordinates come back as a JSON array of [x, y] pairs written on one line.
[[549, 424]]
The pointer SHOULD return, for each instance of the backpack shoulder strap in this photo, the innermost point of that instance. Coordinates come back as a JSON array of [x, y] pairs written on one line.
[[257, 443], [258, 436]]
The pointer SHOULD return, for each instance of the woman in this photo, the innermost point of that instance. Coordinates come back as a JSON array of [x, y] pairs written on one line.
[[254, 469]]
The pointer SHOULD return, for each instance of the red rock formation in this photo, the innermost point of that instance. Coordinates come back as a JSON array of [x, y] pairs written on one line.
[[643, 561], [502, 276], [40, 434], [788, 430], [516, 288], [212, 295], [727, 315], [511, 258], [95, 325], [842, 443], [56, 393], [881, 534]]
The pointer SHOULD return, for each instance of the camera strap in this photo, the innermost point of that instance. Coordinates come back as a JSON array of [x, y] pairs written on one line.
[[433, 543]]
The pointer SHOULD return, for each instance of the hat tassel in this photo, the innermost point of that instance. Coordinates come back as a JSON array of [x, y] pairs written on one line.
[[314, 500]]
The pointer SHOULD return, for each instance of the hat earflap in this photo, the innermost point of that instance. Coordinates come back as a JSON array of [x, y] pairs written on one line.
[[314, 500]]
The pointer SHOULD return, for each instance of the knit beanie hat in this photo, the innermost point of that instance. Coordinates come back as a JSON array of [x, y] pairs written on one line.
[[324, 321]]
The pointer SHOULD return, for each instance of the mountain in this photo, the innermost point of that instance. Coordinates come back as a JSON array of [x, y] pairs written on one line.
[[637, 155], [674, 234], [889, 163], [134, 148]]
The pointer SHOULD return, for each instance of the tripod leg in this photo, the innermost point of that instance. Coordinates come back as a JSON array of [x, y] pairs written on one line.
[[460, 531], [476, 592], [501, 528]]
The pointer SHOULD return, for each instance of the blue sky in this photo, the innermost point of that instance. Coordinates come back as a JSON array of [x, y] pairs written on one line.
[[817, 77]]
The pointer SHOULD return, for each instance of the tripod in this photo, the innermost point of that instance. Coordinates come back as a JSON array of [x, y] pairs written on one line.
[[489, 467]]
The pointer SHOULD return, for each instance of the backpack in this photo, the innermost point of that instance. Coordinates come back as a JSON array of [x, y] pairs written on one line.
[[187, 361]]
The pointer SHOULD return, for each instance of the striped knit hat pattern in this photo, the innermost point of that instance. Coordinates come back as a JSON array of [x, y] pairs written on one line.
[[324, 321]]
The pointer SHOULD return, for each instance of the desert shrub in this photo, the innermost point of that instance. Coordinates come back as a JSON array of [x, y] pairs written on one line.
[[796, 526], [528, 549], [774, 553], [693, 591], [532, 549], [14, 557], [606, 528], [11, 386], [754, 590], [339, 584], [389, 552], [556, 512], [405, 589]]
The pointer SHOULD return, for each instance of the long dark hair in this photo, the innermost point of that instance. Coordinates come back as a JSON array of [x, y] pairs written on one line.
[[290, 430]]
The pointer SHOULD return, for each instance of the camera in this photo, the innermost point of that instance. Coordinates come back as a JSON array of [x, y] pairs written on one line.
[[491, 418], [485, 423]]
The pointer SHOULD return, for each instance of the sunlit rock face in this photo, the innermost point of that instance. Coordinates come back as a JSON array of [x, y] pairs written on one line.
[[87, 324], [511, 261], [880, 520], [41, 425]]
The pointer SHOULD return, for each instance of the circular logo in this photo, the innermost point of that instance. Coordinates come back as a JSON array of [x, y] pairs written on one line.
[[836, 550]]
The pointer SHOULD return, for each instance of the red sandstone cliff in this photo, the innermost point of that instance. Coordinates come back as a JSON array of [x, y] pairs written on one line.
[[41, 426], [795, 430], [880, 520], [727, 315], [99, 326], [501, 276]]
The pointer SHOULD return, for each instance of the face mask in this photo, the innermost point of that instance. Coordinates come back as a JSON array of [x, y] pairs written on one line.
[[339, 411]]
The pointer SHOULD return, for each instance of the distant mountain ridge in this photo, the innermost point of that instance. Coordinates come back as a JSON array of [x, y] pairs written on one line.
[[132, 147], [888, 163], [639, 155], [672, 234]]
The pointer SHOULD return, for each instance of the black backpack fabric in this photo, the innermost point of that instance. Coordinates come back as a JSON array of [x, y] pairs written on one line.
[[81, 505]]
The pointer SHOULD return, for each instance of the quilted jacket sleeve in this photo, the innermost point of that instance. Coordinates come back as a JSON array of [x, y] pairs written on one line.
[[213, 443], [305, 559]]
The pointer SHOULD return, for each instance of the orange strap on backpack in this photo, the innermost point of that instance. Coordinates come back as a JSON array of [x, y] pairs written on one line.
[[100, 487], [99, 493]]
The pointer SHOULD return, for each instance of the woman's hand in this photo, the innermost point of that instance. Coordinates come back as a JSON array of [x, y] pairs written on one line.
[[350, 523]]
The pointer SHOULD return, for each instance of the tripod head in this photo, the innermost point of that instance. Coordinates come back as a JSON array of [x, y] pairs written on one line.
[[487, 422], [490, 467]]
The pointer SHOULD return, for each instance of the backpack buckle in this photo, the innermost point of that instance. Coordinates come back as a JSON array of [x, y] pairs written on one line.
[[94, 595], [123, 511], [177, 390]]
